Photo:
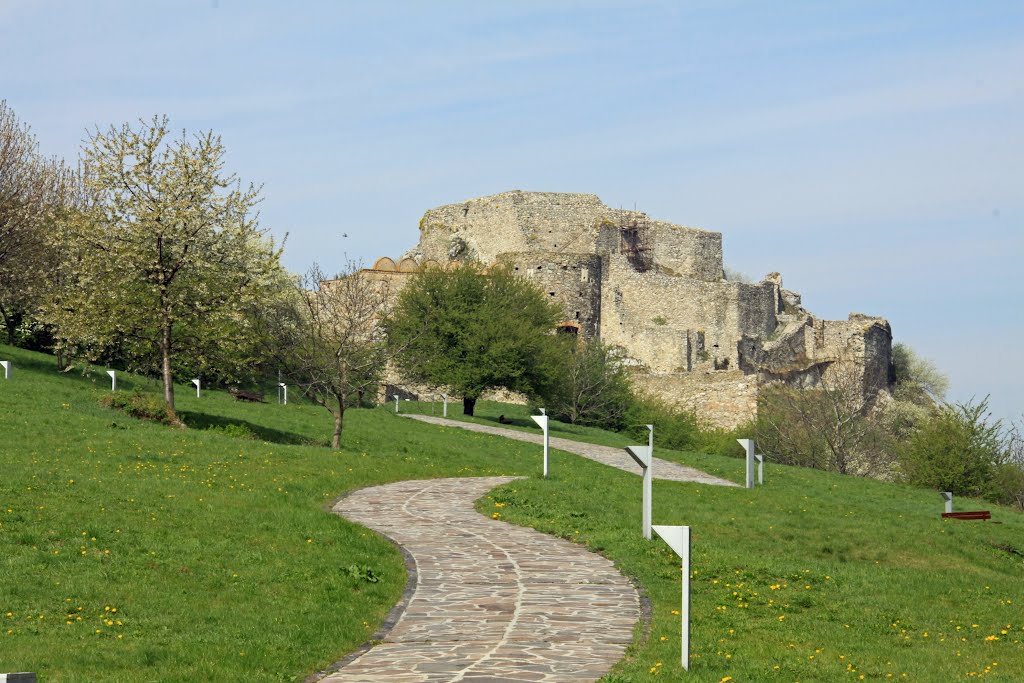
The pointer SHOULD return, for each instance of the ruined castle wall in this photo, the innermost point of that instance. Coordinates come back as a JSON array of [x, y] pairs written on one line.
[[723, 399], [510, 222], [864, 341], [687, 252], [669, 324], [573, 280]]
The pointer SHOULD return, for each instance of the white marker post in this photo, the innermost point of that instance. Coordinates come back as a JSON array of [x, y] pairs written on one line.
[[947, 496], [445, 397], [644, 456], [7, 368], [196, 382], [678, 538], [395, 396], [113, 379], [760, 469], [748, 445], [282, 392], [542, 421]]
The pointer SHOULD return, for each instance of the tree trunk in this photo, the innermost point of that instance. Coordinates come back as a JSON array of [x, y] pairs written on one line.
[[165, 352], [11, 323], [339, 418], [468, 404]]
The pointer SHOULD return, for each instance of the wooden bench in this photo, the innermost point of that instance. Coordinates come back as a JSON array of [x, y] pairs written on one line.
[[977, 514]]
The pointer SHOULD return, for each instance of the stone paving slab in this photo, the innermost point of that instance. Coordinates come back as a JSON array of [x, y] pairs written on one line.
[[492, 602], [607, 455]]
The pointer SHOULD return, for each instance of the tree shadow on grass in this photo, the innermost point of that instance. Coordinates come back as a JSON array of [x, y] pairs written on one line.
[[243, 429]]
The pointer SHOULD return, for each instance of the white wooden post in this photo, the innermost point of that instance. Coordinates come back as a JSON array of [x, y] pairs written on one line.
[[542, 420], [445, 397], [748, 445], [947, 496], [395, 396], [760, 469], [644, 456], [7, 368], [196, 382], [678, 538], [282, 389], [113, 379]]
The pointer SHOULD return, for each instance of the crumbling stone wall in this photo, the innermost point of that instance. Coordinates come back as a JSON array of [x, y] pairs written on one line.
[[658, 291]]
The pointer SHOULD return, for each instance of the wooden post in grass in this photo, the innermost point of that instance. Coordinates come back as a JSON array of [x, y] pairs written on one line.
[[644, 456], [7, 368], [542, 421], [113, 379], [947, 496], [748, 446], [197, 383], [395, 396], [678, 538]]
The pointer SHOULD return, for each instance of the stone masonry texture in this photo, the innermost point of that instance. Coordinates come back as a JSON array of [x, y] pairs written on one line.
[[492, 601], [658, 291]]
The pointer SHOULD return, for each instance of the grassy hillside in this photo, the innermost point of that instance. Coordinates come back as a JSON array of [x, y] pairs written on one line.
[[222, 565]]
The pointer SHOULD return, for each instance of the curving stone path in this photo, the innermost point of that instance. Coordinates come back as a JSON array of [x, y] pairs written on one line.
[[492, 602], [608, 455]]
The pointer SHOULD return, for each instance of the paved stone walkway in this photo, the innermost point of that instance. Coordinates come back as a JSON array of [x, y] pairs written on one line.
[[608, 455], [492, 602]]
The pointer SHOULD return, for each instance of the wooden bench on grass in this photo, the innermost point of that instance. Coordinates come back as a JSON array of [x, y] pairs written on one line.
[[976, 514]]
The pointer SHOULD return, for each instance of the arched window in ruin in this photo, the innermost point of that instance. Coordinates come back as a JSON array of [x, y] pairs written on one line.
[[568, 327], [408, 265], [384, 263], [431, 264]]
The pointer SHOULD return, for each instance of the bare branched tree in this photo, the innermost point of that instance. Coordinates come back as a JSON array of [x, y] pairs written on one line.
[[826, 426], [334, 345], [594, 388]]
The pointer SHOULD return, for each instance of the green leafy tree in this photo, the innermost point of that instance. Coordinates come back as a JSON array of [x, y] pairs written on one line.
[[955, 450], [594, 388], [471, 331], [917, 379], [166, 257]]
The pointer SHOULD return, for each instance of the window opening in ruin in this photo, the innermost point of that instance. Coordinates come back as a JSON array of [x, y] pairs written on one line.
[[722, 364], [577, 315], [568, 328], [635, 241], [551, 293], [540, 267]]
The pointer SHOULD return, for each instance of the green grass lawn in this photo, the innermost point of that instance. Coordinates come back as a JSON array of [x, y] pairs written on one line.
[[222, 564]]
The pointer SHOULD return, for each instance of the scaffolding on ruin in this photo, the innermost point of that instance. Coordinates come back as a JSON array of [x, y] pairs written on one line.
[[634, 230]]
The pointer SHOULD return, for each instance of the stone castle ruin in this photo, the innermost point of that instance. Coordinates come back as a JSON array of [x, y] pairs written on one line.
[[658, 291]]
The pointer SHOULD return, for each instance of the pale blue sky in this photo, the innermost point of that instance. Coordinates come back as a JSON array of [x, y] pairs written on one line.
[[872, 152]]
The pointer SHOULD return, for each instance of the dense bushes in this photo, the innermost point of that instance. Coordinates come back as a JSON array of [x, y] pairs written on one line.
[[960, 448], [142, 405], [955, 449]]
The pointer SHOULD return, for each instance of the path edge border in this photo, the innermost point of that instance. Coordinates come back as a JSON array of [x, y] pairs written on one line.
[[396, 612]]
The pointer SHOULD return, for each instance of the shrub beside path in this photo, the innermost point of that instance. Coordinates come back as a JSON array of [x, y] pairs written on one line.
[[492, 601], [608, 455]]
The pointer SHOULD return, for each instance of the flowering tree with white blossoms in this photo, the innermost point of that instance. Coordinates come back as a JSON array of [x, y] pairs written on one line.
[[166, 257]]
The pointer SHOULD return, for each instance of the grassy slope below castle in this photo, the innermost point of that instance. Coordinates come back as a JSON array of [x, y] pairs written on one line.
[[222, 564]]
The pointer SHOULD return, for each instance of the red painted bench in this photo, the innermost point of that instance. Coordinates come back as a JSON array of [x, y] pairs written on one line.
[[977, 514]]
